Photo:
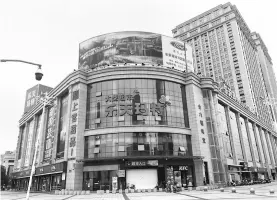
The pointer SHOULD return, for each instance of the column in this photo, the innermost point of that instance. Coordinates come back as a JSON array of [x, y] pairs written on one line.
[[269, 148], [263, 146], [227, 110], [241, 137], [258, 146], [250, 142], [274, 147], [25, 138]]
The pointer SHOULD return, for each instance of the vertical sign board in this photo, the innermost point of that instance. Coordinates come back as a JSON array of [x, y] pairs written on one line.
[[73, 121], [32, 93], [173, 53]]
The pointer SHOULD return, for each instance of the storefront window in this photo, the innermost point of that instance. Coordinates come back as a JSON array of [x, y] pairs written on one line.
[[137, 144], [136, 102], [99, 180]]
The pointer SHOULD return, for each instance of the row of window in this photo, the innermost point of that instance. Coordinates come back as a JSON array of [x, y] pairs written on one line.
[[137, 144]]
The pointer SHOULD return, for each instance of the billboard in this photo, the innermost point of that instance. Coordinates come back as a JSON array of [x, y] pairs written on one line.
[[132, 47], [32, 93]]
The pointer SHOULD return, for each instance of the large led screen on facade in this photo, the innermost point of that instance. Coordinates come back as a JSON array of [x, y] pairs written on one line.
[[133, 47]]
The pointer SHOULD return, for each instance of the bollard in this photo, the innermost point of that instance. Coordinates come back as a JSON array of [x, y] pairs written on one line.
[[132, 190], [155, 189], [233, 190], [252, 191], [87, 192], [160, 189], [271, 191], [221, 189], [107, 191], [83, 192], [126, 190], [205, 189]]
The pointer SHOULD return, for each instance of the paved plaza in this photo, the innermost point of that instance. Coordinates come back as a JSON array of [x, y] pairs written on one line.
[[242, 192]]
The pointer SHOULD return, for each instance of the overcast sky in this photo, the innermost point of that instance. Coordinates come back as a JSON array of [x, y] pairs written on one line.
[[49, 32]]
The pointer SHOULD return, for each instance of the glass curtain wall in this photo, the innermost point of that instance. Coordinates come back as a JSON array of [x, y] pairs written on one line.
[[136, 102], [218, 171], [137, 144]]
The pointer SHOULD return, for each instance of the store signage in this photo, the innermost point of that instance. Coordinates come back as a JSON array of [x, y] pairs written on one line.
[[142, 163], [25, 173], [137, 109], [58, 167], [183, 168], [121, 173]]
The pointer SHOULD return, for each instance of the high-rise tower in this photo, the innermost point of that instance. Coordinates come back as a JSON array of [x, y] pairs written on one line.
[[224, 49]]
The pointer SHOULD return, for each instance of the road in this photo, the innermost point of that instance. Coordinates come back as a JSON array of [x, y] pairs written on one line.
[[242, 192]]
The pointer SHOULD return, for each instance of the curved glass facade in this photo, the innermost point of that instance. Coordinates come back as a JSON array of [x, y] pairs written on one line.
[[128, 102], [137, 144]]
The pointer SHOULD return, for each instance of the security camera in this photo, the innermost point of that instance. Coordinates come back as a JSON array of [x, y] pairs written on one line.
[[39, 74]]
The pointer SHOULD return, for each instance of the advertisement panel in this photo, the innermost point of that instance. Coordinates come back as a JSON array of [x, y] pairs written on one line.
[[133, 47]]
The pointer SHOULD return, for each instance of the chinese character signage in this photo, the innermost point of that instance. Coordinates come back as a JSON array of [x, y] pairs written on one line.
[[73, 121], [127, 107], [31, 96], [134, 47], [142, 163], [50, 133]]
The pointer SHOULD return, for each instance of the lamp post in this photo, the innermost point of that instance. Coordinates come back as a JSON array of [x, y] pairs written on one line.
[[38, 73], [46, 101]]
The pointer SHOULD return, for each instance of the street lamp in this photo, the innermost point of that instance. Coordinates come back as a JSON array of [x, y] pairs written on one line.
[[46, 101], [38, 73]]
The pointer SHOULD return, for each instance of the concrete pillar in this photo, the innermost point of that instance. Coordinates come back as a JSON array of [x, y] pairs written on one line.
[[274, 147], [259, 148], [77, 118], [227, 110], [241, 137], [263, 146], [198, 171], [25, 139], [250, 142], [269, 148]]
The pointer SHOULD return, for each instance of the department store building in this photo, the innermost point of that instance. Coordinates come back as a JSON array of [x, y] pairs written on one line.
[[128, 117]]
